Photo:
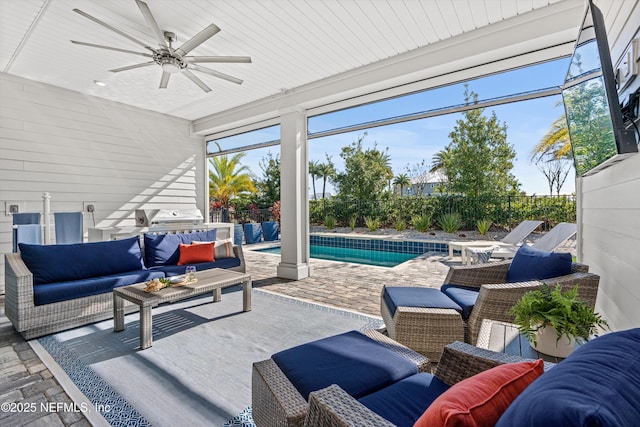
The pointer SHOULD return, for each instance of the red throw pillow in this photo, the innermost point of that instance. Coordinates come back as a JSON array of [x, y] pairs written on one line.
[[481, 400], [192, 254]]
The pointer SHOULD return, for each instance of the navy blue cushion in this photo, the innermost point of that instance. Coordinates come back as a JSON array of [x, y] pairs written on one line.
[[164, 249], [404, 402], [533, 264], [65, 263], [464, 296], [175, 270], [352, 360], [62, 291], [407, 296], [597, 385]]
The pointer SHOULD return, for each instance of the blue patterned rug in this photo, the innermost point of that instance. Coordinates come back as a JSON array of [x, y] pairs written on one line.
[[198, 370]]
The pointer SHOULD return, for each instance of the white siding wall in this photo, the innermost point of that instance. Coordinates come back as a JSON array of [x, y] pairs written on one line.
[[86, 149], [609, 211]]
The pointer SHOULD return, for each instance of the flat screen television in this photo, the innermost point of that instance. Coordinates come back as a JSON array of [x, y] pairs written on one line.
[[594, 117]]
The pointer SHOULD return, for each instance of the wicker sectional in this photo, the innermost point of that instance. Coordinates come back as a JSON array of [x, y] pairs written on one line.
[[332, 406], [275, 400]]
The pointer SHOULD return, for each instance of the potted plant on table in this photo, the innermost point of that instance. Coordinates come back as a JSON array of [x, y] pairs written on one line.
[[552, 320]]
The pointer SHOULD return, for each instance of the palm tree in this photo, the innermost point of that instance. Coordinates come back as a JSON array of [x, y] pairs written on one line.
[[227, 178], [402, 180], [555, 142], [439, 161], [314, 172], [326, 171]]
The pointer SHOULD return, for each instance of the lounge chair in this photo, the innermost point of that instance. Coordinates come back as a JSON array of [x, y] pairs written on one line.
[[515, 237], [549, 242]]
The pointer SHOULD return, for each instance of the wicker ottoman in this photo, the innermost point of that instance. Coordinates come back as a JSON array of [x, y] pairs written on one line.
[[424, 319]]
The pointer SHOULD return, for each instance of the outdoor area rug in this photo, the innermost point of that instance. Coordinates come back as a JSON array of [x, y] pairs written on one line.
[[198, 371]]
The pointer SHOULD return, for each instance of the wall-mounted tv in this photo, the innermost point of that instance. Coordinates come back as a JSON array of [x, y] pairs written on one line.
[[594, 117]]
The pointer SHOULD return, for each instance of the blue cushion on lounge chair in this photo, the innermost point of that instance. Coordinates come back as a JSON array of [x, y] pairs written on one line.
[[408, 296], [464, 296], [62, 291], [355, 362], [66, 263], [404, 402], [164, 249], [175, 270], [533, 264], [597, 385]]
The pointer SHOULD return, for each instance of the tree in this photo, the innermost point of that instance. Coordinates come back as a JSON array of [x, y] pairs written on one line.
[[314, 172], [553, 156], [228, 179], [478, 160], [366, 172], [269, 185], [419, 176], [326, 171], [402, 180]]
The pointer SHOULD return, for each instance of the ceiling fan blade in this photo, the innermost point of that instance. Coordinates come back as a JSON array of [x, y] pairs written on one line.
[[196, 80], [197, 40], [218, 59], [164, 80], [111, 48], [114, 29], [216, 74], [151, 22], [132, 67]]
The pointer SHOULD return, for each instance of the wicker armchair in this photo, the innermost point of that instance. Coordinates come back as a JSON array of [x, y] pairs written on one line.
[[497, 297], [427, 330], [275, 400], [333, 407]]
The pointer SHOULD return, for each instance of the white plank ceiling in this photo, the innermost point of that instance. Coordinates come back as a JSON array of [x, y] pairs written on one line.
[[292, 42]]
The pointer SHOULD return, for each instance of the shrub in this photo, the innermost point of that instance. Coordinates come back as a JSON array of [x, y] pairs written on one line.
[[483, 226], [450, 222], [372, 223], [330, 222], [422, 223], [352, 222], [400, 225]]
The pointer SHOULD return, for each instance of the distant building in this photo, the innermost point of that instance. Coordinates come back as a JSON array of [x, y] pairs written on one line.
[[425, 184]]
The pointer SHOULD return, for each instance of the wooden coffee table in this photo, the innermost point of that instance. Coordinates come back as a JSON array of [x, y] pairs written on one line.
[[212, 280]]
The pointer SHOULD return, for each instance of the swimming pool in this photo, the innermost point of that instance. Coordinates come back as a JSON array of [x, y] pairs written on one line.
[[379, 252]]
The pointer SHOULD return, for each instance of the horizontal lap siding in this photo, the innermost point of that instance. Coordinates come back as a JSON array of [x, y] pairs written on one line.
[[86, 149], [610, 211]]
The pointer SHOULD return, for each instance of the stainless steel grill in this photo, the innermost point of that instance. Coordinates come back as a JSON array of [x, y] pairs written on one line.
[[168, 218]]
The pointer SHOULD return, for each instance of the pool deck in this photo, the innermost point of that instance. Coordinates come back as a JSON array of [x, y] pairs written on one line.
[[355, 287]]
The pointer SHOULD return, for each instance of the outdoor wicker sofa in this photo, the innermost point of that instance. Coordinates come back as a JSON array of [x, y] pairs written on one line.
[[427, 330], [33, 319]]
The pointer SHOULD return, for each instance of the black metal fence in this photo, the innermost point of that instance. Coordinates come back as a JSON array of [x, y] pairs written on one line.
[[240, 216], [504, 212]]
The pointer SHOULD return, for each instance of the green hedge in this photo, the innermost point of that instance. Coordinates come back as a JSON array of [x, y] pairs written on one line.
[[504, 212]]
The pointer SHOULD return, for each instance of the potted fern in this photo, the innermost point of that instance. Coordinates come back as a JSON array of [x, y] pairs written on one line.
[[552, 320]]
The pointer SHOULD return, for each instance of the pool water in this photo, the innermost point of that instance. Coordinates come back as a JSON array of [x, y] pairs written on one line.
[[358, 256]]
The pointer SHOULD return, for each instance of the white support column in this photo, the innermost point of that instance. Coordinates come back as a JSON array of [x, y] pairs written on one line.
[[294, 195]]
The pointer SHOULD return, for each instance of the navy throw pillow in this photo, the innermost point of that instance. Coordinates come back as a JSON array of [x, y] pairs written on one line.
[[533, 264], [164, 249], [64, 263], [597, 385]]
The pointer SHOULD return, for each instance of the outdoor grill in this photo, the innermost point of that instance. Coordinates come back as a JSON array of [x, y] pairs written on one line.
[[163, 219]]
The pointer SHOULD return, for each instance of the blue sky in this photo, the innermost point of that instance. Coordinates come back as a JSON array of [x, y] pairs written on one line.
[[410, 142]]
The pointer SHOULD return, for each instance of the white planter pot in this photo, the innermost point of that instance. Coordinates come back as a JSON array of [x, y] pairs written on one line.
[[547, 343]]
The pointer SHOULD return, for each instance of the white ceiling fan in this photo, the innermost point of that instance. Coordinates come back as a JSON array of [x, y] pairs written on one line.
[[171, 60]]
